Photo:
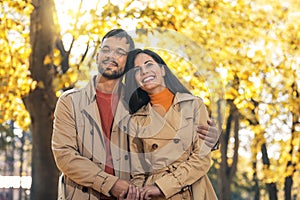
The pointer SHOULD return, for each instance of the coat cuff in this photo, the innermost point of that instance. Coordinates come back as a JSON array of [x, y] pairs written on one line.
[[104, 182], [168, 186]]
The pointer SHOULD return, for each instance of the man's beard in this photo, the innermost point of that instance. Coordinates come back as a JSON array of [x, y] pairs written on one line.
[[113, 75]]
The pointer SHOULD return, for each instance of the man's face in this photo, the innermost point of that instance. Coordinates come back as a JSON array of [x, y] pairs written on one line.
[[111, 58]]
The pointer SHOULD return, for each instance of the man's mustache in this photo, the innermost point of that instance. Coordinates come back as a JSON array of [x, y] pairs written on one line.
[[110, 61]]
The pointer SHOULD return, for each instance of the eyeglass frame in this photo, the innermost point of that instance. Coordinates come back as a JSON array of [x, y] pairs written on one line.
[[119, 52]]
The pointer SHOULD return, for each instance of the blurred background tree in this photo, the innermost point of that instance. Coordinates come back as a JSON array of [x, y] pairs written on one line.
[[240, 56]]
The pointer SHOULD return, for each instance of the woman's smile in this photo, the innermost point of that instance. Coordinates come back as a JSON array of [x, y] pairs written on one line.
[[149, 74]]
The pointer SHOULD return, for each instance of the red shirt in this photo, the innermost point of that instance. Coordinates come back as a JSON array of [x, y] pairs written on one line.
[[107, 104]]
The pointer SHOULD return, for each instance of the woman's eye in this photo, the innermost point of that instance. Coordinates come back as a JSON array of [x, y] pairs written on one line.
[[136, 70], [149, 65]]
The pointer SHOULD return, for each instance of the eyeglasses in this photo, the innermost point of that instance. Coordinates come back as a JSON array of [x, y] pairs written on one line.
[[118, 52]]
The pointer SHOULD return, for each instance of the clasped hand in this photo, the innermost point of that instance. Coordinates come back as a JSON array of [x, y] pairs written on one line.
[[144, 193]]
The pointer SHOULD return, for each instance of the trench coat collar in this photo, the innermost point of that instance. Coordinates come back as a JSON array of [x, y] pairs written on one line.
[[90, 89], [179, 97], [173, 116], [92, 108]]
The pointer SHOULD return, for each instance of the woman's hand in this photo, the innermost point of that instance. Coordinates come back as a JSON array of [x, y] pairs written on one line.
[[133, 193], [149, 191], [208, 133]]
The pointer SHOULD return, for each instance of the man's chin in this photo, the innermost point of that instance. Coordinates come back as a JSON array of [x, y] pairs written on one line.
[[113, 75]]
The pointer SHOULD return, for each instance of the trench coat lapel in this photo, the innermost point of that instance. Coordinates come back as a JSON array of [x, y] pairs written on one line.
[[152, 124], [173, 118], [91, 112], [92, 109], [120, 114]]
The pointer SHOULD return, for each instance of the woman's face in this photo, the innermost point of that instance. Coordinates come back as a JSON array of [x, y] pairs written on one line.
[[149, 74]]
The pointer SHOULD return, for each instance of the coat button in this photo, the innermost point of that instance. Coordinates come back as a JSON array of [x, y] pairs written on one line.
[[175, 140], [154, 146], [84, 189], [124, 128], [126, 157]]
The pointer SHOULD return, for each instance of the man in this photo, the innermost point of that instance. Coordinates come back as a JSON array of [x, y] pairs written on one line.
[[89, 139]]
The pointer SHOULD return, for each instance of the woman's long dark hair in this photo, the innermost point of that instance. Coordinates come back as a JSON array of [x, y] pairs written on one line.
[[134, 96]]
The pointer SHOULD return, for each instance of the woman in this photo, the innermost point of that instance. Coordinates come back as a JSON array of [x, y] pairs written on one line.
[[168, 159]]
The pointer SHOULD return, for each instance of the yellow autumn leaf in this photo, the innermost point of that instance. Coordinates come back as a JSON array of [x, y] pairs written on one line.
[[47, 60]]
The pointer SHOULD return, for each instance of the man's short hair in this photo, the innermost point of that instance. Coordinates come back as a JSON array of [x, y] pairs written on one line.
[[120, 33]]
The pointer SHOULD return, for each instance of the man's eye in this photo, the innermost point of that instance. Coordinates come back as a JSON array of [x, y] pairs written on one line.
[[105, 50], [121, 53]]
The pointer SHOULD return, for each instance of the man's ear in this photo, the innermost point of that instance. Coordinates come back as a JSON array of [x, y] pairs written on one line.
[[97, 55]]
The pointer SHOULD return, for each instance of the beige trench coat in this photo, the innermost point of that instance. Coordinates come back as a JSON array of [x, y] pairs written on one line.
[[166, 151], [78, 144]]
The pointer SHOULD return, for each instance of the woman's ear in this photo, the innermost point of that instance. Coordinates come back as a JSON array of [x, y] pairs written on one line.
[[163, 71]]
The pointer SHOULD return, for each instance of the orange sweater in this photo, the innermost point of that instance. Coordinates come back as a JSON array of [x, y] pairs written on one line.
[[164, 99]]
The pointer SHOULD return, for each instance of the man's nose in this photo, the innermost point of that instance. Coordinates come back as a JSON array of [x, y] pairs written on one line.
[[112, 53]]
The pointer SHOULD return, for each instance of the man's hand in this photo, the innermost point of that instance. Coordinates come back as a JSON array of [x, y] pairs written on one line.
[[121, 186], [208, 133], [150, 191], [133, 193]]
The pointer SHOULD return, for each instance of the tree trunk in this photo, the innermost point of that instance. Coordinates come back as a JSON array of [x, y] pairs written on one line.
[[291, 167], [227, 171], [253, 121], [41, 101], [255, 180], [288, 183], [21, 163], [271, 187], [11, 163]]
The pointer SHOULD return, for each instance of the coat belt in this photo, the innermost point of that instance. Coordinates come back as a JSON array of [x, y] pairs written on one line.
[[68, 181]]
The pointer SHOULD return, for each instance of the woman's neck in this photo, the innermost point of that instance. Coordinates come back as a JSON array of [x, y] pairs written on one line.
[[163, 98]]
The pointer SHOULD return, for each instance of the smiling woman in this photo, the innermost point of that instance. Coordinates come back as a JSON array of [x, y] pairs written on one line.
[[162, 143], [149, 74]]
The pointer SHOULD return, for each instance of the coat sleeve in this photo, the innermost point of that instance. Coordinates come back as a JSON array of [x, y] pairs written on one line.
[[138, 167], [66, 152], [191, 170]]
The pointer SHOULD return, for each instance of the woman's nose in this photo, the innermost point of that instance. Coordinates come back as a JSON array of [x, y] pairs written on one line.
[[144, 70]]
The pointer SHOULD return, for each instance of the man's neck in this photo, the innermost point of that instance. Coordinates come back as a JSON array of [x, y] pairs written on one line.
[[106, 85]]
